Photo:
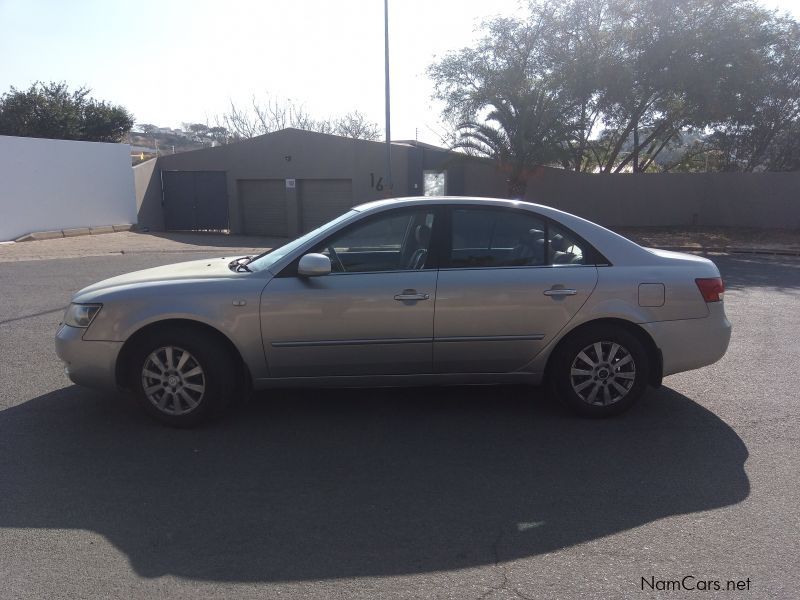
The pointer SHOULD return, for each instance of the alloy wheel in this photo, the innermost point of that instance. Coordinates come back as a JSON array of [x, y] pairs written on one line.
[[603, 373], [173, 380]]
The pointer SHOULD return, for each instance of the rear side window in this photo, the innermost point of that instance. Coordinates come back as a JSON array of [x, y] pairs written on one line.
[[565, 248], [496, 238]]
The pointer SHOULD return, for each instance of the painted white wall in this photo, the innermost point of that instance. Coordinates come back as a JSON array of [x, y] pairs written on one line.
[[46, 185]]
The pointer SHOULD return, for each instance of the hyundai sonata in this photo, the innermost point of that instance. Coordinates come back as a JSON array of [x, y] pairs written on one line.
[[413, 291]]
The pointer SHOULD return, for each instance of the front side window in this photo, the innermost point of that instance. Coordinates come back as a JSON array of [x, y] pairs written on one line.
[[496, 238], [394, 241]]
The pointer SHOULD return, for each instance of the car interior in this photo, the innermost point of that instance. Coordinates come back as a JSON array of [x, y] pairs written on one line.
[[487, 238], [399, 242], [480, 238]]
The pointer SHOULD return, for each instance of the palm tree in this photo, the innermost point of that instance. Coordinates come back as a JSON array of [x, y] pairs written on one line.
[[519, 132]]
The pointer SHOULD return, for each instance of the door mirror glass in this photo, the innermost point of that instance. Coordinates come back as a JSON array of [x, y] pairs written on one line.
[[314, 265]]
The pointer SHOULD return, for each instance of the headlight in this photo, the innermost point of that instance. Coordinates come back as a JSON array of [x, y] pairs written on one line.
[[81, 315]]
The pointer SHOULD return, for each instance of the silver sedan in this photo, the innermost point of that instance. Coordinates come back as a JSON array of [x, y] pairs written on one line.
[[412, 291]]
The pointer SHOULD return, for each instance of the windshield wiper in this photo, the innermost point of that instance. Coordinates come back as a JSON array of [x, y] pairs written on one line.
[[240, 264]]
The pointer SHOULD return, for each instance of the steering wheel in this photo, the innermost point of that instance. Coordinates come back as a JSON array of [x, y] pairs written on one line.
[[335, 257]]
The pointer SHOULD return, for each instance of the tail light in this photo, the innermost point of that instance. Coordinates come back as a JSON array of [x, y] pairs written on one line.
[[711, 288]]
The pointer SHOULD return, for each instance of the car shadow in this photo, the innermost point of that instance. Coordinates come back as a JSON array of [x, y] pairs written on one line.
[[301, 485]]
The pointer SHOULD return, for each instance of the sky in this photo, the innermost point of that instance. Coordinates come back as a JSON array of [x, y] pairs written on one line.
[[179, 61]]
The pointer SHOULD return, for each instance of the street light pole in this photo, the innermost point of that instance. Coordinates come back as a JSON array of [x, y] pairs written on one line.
[[389, 184]]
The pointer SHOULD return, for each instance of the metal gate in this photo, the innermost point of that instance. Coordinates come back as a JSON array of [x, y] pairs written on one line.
[[195, 200]]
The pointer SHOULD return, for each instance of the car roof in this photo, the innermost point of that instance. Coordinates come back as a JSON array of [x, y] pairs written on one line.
[[407, 201]]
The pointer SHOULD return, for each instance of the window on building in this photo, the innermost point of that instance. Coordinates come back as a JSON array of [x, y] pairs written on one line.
[[434, 183]]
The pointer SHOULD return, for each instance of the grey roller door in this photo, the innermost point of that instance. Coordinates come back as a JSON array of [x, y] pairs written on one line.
[[263, 207], [322, 200]]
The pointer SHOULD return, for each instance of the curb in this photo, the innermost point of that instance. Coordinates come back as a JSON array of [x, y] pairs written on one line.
[[78, 231]]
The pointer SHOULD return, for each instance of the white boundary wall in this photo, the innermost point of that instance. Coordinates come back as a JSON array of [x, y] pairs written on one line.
[[48, 185]]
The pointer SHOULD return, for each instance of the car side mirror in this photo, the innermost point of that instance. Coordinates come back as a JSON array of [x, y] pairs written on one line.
[[314, 265]]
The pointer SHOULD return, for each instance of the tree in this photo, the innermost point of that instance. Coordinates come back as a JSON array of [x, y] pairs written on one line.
[[671, 67], [197, 131], [355, 125], [502, 104], [219, 134], [52, 111], [610, 85], [147, 128], [763, 132], [262, 117]]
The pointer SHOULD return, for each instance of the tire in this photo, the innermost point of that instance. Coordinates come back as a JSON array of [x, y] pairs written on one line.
[[605, 387], [184, 377]]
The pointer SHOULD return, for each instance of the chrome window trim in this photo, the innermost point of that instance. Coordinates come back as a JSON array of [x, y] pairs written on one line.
[[518, 267]]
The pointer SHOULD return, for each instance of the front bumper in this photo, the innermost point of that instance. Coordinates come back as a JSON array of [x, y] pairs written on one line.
[[692, 343], [89, 363]]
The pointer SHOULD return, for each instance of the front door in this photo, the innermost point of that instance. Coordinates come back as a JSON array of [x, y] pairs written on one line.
[[372, 315], [510, 281]]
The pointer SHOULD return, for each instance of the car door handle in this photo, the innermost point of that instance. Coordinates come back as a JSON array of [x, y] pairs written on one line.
[[560, 292], [411, 295]]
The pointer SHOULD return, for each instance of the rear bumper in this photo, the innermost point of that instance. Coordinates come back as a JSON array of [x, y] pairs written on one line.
[[692, 343], [87, 363]]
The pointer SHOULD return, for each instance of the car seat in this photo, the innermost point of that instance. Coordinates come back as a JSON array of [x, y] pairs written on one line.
[[422, 236]]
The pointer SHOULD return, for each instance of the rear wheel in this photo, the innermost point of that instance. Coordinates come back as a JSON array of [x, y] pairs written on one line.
[[600, 371], [183, 377]]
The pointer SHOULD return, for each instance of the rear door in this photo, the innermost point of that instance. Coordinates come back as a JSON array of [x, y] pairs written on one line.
[[509, 282]]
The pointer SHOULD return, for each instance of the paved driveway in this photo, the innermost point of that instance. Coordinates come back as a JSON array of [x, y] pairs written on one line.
[[485, 492]]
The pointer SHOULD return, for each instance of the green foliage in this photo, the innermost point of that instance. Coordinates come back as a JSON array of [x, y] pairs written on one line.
[[619, 85], [53, 111], [763, 131]]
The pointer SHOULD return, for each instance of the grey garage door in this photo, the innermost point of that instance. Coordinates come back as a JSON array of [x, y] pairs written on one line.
[[263, 207], [195, 200], [322, 200]]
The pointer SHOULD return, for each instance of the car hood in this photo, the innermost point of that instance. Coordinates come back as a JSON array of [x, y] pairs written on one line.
[[207, 269]]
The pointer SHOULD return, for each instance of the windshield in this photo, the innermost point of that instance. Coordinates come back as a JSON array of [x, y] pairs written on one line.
[[267, 259]]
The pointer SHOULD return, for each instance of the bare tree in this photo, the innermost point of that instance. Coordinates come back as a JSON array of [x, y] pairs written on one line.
[[356, 125], [259, 118]]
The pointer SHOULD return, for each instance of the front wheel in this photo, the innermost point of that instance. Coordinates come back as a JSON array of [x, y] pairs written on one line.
[[182, 378], [600, 371]]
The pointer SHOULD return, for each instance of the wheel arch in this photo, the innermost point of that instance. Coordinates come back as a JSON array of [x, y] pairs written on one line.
[[654, 356], [122, 374]]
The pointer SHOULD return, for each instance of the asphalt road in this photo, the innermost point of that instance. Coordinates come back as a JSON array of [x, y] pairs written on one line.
[[486, 492]]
